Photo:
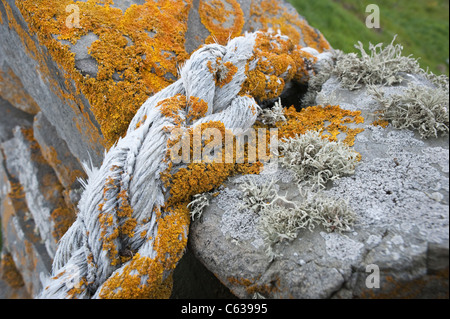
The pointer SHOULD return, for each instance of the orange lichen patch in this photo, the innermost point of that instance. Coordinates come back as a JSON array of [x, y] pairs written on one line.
[[329, 120], [278, 61], [380, 122], [204, 174], [197, 108], [15, 202], [9, 272], [12, 90], [16, 191], [77, 289], [116, 222], [271, 14], [143, 46], [144, 277], [63, 57], [108, 224], [216, 14], [62, 218], [223, 72], [67, 175], [414, 289], [138, 125], [125, 212], [251, 287], [171, 107]]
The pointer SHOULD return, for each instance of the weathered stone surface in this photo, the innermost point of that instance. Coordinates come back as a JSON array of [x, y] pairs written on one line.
[[12, 285], [58, 156], [20, 236], [41, 188], [10, 118], [400, 195], [12, 90], [23, 58]]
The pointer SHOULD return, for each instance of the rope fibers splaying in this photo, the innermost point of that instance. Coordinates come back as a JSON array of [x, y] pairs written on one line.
[[126, 242]]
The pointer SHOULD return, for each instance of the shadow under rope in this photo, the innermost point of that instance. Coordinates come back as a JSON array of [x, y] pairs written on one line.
[[192, 280], [292, 95]]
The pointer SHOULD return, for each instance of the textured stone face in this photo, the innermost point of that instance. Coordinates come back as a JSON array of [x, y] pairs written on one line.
[[399, 193]]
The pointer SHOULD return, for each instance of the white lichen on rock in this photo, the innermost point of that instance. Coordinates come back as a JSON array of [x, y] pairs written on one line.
[[419, 107], [316, 160], [273, 115], [380, 66], [198, 204], [283, 219]]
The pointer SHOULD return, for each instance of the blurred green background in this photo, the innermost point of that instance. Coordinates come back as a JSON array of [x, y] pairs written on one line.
[[422, 26]]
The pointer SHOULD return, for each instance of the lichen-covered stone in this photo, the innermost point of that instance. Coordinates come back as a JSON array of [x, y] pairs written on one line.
[[20, 238], [399, 194], [11, 117], [40, 186]]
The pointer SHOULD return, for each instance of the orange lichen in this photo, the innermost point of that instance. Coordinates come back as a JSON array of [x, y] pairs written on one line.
[[215, 14], [137, 52], [223, 72], [62, 218], [197, 108], [394, 288], [77, 289], [271, 14], [51, 189], [251, 287], [169, 247], [171, 107], [66, 174], [12, 90], [138, 125], [16, 191], [329, 120], [108, 225], [125, 212], [64, 58], [9, 272], [278, 61]]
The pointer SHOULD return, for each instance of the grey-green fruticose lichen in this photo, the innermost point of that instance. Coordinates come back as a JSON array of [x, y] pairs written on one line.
[[422, 108], [419, 107], [273, 115], [198, 204], [382, 66], [282, 219], [316, 160]]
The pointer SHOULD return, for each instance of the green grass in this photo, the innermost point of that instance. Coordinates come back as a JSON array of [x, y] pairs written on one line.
[[422, 26]]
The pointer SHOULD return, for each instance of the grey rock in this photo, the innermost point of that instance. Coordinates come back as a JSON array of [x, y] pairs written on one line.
[[10, 118], [41, 187], [20, 236], [399, 193], [57, 154]]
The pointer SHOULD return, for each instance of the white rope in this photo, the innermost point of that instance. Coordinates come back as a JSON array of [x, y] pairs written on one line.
[[131, 169]]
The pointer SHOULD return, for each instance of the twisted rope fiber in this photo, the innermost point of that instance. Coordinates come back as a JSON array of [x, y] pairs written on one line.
[[88, 260]]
